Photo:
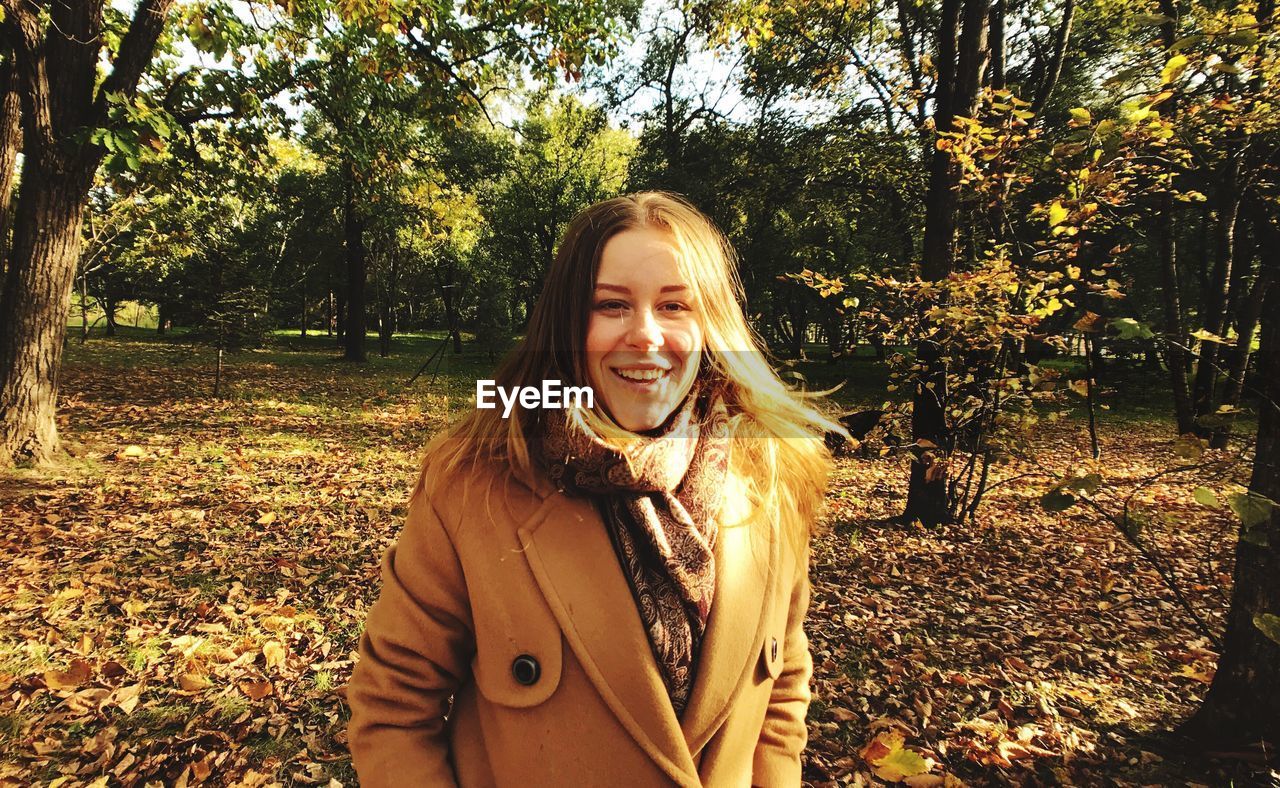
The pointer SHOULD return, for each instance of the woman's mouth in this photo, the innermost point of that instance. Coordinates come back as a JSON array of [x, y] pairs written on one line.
[[642, 379]]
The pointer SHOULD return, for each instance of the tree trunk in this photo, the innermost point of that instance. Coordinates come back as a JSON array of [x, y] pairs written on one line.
[[960, 48], [353, 229], [37, 301], [1217, 290], [110, 306], [1053, 71], [1242, 707], [56, 51], [1175, 335], [10, 144], [1248, 312], [84, 308]]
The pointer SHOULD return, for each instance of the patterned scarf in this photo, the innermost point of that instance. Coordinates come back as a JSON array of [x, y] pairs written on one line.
[[661, 517]]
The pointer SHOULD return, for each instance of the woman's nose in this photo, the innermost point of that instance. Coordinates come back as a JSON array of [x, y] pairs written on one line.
[[645, 331]]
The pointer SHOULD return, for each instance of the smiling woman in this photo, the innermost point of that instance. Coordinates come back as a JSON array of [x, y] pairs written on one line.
[[643, 337], [627, 606]]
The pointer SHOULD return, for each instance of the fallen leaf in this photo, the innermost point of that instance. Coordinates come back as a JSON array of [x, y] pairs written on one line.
[[256, 690], [75, 675]]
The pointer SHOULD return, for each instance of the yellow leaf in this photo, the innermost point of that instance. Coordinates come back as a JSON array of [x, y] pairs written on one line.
[[274, 653], [193, 682], [890, 761], [75, 675], [126, 698], [267, 519], [1173, 69], [1198, 675], [1057, 214]]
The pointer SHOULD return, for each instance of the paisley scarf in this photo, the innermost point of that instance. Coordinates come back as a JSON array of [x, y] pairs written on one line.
[[661, 516]]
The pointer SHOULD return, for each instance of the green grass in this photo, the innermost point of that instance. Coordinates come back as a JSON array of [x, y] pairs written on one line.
[[228, 708]]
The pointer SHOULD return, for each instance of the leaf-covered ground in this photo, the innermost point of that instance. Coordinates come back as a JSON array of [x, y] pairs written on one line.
[[182, 599]]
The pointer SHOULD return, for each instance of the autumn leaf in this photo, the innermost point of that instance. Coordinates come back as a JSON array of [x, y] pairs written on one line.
[[890, 760], [1057, 213], [273, 653], [1090, 322], [193, 682], [1207, 336], [256, 690], [1173, 68], [127, 698], [267, 518], [76, 674]]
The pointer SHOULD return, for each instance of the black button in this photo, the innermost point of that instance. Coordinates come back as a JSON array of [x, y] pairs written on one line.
[[773, 651], [525, 669]]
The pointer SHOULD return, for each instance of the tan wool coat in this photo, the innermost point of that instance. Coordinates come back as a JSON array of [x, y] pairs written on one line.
[[518, 610]]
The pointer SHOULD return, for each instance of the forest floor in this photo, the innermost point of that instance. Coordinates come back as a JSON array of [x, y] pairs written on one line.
[[181, 599]]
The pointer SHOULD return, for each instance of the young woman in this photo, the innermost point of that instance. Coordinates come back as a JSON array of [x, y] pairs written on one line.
[[609, 595]]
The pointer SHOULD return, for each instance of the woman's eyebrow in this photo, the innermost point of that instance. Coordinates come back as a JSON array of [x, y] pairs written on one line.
[[621, 289]]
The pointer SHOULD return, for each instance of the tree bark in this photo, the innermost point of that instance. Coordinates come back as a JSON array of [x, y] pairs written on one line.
[[37, 299], [961, 49], [1166, 226], [1053, 72], [56, 52], [1242, 707], [1249, 305], [353, 228], [109, 307], [1217, 290], [10, 144]]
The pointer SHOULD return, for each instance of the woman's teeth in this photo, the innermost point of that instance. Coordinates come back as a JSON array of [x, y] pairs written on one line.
[[641, 375]]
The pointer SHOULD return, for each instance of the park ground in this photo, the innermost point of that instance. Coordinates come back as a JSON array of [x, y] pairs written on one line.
[[182, 597]]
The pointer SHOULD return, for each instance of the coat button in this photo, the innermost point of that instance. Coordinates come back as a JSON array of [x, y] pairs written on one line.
[[773, 651], [525, 669]]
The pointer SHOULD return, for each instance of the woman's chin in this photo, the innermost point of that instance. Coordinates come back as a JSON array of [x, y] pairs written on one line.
[[643, 424], [641, 419]]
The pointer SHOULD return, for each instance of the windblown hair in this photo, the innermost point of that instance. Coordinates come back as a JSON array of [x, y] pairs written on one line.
[[776, 444]]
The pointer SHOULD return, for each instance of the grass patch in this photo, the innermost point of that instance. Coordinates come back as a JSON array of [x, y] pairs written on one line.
[[228, 708]]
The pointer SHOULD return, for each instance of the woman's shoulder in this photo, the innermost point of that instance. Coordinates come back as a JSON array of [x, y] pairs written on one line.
[[475, 489]]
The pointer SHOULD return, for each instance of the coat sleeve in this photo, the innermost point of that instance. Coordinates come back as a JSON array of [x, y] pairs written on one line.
[[784, 735], [416, 650]]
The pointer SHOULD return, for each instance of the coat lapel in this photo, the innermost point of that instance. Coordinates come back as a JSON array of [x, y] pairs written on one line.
[[746, 562], [571, 557]]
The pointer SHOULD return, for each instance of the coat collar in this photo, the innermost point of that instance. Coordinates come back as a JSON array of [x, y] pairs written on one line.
[[565, 542]]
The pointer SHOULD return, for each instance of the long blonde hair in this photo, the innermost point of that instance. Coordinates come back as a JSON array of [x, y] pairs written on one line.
[[777, 445]]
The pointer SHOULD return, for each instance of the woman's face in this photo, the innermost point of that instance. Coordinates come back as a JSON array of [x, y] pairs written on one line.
[[644, 337]]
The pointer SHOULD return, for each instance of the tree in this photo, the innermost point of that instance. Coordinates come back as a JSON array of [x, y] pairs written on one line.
[[564, 157], [56, 51], [1242, 707]]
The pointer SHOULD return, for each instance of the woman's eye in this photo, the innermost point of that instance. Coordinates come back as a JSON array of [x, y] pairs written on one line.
[[610, 306], [676, 306]]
